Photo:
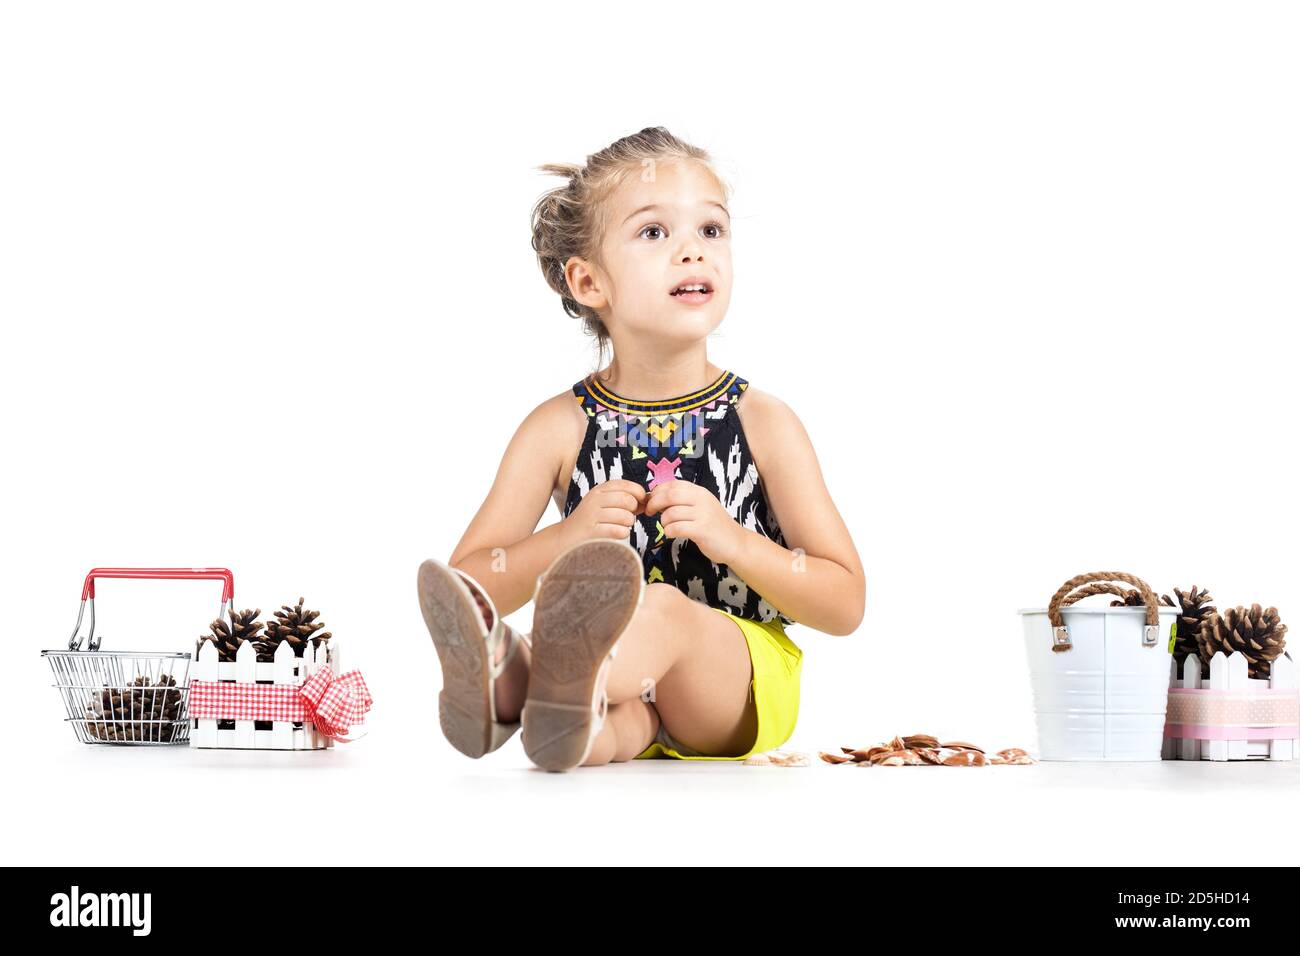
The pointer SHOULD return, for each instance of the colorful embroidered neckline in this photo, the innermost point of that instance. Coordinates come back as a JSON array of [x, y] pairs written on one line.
[[682, 403]]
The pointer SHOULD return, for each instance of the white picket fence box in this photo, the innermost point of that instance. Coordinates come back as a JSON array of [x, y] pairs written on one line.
[[1231, 716], [287, 669]]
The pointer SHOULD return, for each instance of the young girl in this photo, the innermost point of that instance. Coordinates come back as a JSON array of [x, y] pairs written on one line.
[[662, 597]]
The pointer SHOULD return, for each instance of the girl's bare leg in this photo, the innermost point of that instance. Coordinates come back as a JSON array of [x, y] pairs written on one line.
[[629, 728], [688, 664], [512, 685]]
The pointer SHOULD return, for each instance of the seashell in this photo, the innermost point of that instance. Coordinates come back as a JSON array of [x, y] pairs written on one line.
[[789, 758], [777, 758], [896, 758], [1014, 755], [835, 758]]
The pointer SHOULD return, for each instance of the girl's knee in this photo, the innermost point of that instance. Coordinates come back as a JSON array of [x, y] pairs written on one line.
[[660, 594], [661, 605], [666, 621]]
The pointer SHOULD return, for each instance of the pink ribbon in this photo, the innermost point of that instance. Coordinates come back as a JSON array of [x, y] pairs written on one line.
[[1204, 714], [1213, 732]]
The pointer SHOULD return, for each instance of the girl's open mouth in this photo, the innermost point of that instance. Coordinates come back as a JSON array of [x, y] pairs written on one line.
[[692, 293]]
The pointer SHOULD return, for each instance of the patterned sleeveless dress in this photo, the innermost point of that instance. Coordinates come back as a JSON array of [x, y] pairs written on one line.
[[697, 438]]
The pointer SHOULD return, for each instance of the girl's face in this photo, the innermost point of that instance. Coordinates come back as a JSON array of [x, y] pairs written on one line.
[[665, 227]]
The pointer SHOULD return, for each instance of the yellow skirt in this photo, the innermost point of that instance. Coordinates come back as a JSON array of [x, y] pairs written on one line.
[[777, 663]]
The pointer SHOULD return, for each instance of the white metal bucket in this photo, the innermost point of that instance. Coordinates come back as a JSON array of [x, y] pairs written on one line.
[[1100, 678]]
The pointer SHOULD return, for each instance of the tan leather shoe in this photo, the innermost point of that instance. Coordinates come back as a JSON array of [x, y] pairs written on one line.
[[583, 603], [468, 647]]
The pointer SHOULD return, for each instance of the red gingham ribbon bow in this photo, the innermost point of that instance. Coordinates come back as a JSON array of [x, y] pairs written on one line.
[[334, 704]]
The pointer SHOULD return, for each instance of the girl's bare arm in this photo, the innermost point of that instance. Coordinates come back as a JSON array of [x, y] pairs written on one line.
[[824, 587], [499, 549]]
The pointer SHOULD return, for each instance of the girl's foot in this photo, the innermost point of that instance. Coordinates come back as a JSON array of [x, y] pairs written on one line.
[[584, 600], [484, 671]]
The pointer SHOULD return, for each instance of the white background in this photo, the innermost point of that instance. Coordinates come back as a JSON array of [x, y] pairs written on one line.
[[1026, 271]]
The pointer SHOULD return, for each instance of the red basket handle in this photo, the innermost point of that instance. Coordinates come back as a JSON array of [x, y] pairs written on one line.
[[166, 574], [158, 574]]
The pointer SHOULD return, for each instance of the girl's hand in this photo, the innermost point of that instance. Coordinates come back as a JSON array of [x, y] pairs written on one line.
[[606, 511], [687, 510]]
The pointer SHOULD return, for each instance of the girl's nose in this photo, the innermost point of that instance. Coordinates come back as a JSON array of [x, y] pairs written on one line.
[[690, 248]]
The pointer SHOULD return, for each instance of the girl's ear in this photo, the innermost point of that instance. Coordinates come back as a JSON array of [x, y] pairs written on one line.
[[585, 283]]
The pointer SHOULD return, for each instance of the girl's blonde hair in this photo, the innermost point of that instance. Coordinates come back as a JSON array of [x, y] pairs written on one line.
[[568, 221]]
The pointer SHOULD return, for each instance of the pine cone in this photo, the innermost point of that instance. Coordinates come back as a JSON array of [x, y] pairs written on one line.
[[243, 626], [141, 712], [1196, 607], [295, 625], [1133, 598], [1256, 633]]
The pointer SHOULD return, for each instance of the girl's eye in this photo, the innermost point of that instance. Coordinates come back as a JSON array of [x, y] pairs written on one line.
[[656, 231]]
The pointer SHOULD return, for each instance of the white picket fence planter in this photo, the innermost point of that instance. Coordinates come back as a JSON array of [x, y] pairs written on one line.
[[287, 669], [1231, 716]]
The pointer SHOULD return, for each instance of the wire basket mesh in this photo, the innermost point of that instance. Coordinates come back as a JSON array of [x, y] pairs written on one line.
[[128, 697], [124, 697]]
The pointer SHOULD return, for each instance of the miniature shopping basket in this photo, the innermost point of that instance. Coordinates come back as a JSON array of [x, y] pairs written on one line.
[[128, 697]]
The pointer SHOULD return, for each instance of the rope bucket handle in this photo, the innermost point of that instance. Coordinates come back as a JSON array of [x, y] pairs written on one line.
[[1067, 594], [1094, 589]]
